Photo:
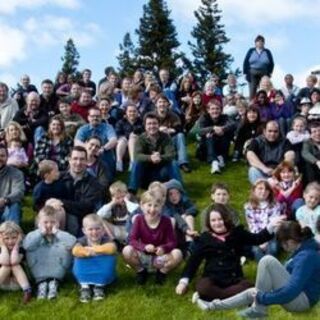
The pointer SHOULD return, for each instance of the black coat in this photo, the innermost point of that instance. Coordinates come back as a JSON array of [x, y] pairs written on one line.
[[222, 258]]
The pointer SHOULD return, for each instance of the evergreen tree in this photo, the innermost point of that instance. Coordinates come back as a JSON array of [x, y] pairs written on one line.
[[70, 59], [210, 37], [157, 38], [127, 57]]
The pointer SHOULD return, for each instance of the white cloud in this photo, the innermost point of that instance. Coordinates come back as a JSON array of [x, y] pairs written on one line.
[[13, 44], [11, 6], [252, 13], [9, 79], [54, 30]]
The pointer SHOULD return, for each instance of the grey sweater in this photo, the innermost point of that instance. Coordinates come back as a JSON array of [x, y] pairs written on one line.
[[48, 259]]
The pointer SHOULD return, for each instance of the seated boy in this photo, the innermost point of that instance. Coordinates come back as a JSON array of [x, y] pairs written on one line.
[[95, 260], [117, 211], [50, 186]]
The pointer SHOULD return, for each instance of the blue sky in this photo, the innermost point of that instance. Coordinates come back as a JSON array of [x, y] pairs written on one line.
[[33, 33]]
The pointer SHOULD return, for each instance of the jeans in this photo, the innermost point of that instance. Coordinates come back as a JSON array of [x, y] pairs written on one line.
[[180, 145], [256, 174], [143, 173], [108, 157], [272, 249], [216, 146], [11, 213], [271, 275]]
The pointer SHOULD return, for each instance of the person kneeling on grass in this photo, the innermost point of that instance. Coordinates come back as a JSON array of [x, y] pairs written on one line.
[[152, 242], [222, 247], [95, 259], [12, 275], [295, 286]]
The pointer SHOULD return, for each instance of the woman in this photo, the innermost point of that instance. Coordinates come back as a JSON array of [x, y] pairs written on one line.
[[194, 110], [295, 286], [185, 93], [216, 131], [221, 247], [257, 63], [55, 145]]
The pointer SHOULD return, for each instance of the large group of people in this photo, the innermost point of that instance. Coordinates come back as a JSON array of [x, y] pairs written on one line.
[[70, 144]]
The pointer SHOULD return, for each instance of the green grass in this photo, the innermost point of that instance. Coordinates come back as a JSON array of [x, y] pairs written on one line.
[[127, 301]]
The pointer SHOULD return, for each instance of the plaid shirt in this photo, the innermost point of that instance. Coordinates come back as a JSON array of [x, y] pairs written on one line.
[[259, 218], [45, 149]]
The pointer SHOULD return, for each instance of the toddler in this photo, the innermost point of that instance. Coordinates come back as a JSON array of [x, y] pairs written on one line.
[[17, 155]]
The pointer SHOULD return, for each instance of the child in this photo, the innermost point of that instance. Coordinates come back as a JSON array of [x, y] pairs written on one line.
[[152, 242], [57, 205], [178, 204], [50, 186], [308, 214], [287, 186], [48, 252], [259, 211], [16, 154], [116, 213], [12, 275], [95, 260], [299, 132], [220, 194]]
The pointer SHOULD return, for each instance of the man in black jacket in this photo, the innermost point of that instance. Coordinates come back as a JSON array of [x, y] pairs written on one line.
[[84, 192]]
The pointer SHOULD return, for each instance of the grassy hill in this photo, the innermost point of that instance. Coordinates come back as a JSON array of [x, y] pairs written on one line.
[[124, 299]]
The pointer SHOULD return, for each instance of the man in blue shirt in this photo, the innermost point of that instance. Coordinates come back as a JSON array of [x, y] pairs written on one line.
[[105, 132]]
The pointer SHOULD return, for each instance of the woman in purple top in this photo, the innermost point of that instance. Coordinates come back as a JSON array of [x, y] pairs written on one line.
[[261, 101], [152, 242]]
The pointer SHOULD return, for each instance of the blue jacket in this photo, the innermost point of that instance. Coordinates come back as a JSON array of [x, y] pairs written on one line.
[[304, 268]]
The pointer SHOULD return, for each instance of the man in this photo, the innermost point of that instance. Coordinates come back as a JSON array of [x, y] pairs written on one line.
[[75, 93], [23, 88], [87, 83], [123, 96], [267, 151], [84, 192], [290, 90], [82, 106], [105, 133], [33, 120], [154, 156], [11, 189], [170, 123], [48, 98], [8, 106]]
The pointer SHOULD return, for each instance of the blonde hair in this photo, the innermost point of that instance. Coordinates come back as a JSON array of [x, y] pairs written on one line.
[[92, 217], [158, 190], [149, 196], [45, 167], [9, 227], [17, 125], [118, 187], [312, 186], [47, 211]]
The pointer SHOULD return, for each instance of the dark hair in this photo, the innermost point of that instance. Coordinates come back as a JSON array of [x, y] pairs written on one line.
[[292, 230], [279, 92], [259, 37], [163, 97], [94, 138], [225, 215], [150, 115], [78, 149], [47, 81], [314, 124], [255, 109], [220, 186]]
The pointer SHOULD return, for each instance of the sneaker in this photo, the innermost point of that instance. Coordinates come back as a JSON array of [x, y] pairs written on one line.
[[85, 295], [160, 277], [142, 277], [252, 313], [215, 167], [221, 162], [27, 296], [195, 297], [98, 293], [42, 290], [52, 289], [205, 305], [119, 166]]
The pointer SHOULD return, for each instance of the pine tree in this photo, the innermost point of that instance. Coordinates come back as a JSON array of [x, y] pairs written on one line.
[[210, 37], [70, 59], [127, 57], [157, 38]]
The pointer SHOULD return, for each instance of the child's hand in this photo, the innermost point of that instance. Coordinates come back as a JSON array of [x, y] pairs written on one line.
[[159, 251], [150, 248], [192, 233], [263, 246], [181, 288], [55, 228], [42, 229], [90, 251]]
